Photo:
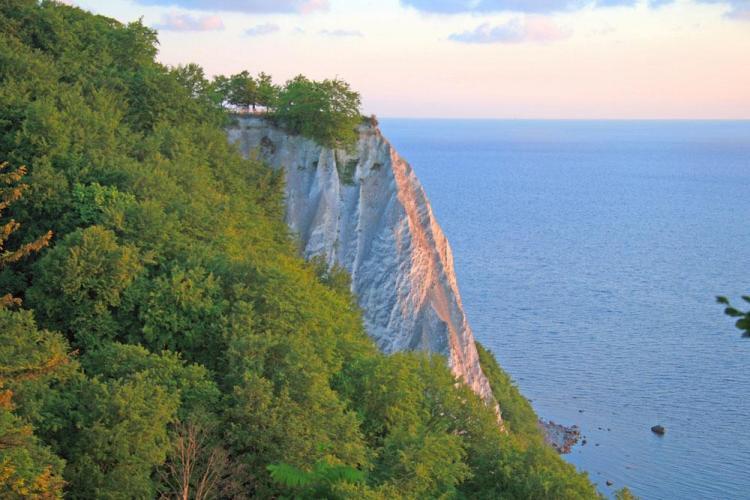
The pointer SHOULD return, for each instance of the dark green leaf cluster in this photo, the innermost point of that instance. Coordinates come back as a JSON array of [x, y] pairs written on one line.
[[743, 318], [320, 482], [172, 342]]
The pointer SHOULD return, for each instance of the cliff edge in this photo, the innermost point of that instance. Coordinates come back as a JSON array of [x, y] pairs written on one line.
[[365, 210]]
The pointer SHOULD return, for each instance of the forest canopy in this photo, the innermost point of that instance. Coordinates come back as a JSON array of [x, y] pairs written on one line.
[[160, 336], [326, 111]]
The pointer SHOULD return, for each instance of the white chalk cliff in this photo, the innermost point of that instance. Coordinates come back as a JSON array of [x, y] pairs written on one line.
[[366, 210]]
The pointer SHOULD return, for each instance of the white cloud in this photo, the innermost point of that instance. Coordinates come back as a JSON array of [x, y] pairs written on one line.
[[533, 6], [739, 9], [186, 22], [262, 29], [517, 30], [341, 33], [740, 13], [484, 6], [251, 6]]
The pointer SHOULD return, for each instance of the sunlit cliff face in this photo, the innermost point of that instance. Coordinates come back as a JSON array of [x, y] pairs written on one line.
[[378, 225]]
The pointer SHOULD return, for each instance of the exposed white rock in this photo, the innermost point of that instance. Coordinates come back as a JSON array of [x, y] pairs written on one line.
[[366, 210]]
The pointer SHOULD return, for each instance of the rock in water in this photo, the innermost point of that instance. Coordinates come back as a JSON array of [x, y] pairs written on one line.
[[658, 429], [365, 210]]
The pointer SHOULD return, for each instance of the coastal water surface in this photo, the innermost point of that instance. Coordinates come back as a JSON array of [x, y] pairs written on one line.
[[588, 256]]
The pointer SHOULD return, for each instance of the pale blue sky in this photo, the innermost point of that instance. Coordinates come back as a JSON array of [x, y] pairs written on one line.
[[477, 58]]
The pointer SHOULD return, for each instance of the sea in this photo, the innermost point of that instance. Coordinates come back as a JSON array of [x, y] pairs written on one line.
[[589, 255]]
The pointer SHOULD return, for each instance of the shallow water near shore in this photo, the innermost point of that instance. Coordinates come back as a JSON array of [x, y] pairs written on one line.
[[588, 254]]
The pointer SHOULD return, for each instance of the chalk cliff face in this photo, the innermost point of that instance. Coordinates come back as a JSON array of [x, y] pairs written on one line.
[[366, 210]]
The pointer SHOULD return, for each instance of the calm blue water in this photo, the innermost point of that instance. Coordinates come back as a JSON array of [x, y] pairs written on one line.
[[588, 256]]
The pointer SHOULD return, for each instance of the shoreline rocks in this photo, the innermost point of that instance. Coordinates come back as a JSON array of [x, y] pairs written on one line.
[[560, 437]]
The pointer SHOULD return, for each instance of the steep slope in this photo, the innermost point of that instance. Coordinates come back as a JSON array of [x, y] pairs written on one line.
[[365, 210]]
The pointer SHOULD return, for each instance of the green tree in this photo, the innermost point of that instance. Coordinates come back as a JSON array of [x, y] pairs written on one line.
[[220, 89], [266, 426], [413, 415], [192, 77], [28, 469], [267, 92], [327, 111], [116, 435], [334, 276], [11, 190], [80, 281], [102, 205], [319, 482], [243, 91], [197, 392], [181, 310]]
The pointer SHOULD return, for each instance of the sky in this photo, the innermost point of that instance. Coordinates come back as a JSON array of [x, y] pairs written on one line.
[[539, 59]]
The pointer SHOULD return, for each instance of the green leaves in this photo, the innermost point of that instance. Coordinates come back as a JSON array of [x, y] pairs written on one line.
[[731, 311], [121, 439], [743, 323], [244, 91], [290, 476], [320, 482], [80, 281], [326, 111], [184, 311], [192, 383], [97, 204], [28, 356]]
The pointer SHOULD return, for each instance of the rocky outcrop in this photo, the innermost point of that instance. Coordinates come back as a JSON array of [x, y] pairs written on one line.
[[365, 210], [560, 437]]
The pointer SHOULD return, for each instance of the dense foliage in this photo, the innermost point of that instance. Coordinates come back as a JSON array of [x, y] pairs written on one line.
[[171, 342], [326, 111], [242, 90]]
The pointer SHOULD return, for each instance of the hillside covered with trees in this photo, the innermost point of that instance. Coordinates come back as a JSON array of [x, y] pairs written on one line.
[[160, 336]]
